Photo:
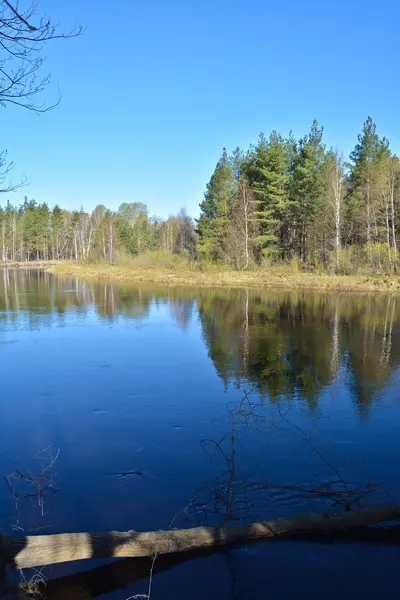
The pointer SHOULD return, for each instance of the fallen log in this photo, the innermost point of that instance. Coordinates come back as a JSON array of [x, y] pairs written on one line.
[[34, 551], [116, 575]]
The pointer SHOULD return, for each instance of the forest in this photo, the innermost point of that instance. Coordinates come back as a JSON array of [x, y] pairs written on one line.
[[280, 200]]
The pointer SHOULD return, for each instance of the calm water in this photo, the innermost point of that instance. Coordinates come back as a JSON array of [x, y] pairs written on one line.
[[199, 407]]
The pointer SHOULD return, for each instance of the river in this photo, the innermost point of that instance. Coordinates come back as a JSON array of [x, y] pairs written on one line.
[[162, 407]]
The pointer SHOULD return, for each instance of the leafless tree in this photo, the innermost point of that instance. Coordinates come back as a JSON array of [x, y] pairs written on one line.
[[23, 36], [6, 167]]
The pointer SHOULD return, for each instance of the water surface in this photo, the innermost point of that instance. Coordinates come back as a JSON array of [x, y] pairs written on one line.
[[198, 406]]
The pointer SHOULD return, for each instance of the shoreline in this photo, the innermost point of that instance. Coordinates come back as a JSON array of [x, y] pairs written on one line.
[[267, 279], [31, 264]]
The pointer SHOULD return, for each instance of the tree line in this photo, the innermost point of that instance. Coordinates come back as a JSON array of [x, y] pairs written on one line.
[[281, 200], [35, 232], [297, 199]]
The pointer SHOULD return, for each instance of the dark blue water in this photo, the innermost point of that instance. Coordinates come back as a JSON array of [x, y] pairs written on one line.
[[199, 407]]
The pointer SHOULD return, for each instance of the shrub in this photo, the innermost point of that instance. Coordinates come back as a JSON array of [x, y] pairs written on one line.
[[157, 259]]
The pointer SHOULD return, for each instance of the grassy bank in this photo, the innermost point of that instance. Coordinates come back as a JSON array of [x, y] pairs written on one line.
[[31, 264], [274, 278]]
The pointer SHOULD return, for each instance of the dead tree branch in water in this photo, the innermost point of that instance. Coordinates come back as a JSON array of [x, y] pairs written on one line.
[[231, 492], [41, 485]]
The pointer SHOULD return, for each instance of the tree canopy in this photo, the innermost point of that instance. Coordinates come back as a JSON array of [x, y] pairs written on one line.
[[306, 203]]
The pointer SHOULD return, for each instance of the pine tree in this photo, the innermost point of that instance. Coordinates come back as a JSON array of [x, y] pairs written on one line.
[[267, 173], [216, 209], [42, 231], [30, 229], [56, 230], [364, 174], [307, 185]]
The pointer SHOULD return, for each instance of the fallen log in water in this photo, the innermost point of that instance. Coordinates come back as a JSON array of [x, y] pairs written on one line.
[[34, 551]]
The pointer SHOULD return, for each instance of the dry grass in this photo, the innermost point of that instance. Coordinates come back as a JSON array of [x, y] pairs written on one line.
[[31, 264], [273, 278], [35, 586]]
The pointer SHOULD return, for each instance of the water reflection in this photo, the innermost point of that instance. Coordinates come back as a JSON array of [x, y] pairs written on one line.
[[298, 344], [119, 379], [284, 345]]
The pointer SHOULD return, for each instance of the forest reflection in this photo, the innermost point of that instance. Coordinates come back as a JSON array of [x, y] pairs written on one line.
[[282, 344]]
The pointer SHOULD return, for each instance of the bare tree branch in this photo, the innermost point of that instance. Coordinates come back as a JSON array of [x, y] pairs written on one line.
[[21, 54], [21, 60], [6, 167], [20, 17]]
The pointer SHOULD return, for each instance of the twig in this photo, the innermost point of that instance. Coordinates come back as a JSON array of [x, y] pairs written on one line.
[[148, 595], [43, 483]]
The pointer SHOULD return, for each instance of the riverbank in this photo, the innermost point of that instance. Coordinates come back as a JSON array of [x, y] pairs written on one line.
[[267, 278], [31, 264]]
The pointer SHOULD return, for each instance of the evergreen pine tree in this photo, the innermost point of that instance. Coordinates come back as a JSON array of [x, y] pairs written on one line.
[[365, 164], [307, 185], [267, 173], [216, 210], [56, 230]]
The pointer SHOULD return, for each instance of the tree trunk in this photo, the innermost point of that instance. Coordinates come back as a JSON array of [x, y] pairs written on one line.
[[76, 246], [33, 551], [89, 242], [111, 241], [394, 243], [14, 235], [3, 237], [388, 231], [245, 200], [368, 219], [337, 199]]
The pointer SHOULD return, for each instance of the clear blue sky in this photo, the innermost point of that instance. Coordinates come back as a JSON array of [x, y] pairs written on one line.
[[154, 89]]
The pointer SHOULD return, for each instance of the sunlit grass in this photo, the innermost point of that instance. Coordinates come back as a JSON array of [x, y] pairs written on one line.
[[168, 269]]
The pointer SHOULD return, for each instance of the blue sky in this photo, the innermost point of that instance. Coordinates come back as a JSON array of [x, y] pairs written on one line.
[[154, 89]]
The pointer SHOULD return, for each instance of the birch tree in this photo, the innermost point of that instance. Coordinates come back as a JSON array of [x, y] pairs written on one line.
[[390, 183], [335, 187]]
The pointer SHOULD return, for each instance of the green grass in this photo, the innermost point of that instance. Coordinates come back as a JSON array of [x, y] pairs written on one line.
[[31, 589]]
